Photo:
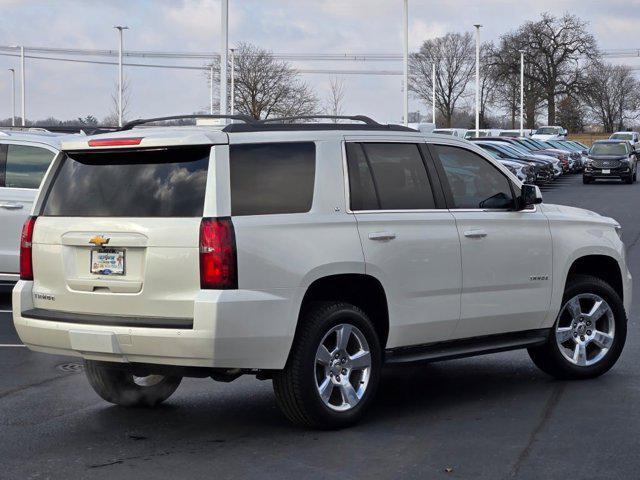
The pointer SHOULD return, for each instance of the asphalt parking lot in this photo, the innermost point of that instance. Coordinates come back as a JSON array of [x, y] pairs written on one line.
[[493, 417]]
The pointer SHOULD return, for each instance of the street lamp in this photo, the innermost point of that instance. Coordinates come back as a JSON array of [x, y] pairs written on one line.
[[13, 97], [522, 93], [233, 81], [120, 28], [433, 94], [224, 54], [477, 79], [405, 56]]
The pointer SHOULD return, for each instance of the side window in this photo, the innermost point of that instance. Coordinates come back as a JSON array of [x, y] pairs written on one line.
[[26, 166], [473, 181], [272, 178], [388, 176], [362, 192]]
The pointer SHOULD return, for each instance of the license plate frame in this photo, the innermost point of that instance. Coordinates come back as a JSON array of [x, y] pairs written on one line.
[[606, 171], [99, 268]]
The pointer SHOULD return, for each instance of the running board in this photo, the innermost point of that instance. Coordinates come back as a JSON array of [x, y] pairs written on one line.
[[467, 347]]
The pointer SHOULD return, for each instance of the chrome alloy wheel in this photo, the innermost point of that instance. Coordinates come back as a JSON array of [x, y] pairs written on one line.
[[585, 329], [148, 381], [342, 367]]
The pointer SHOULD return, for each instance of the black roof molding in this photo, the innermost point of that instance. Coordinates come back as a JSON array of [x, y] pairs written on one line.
[[143, 121]]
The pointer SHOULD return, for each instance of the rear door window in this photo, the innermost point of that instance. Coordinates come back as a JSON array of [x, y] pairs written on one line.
[[164, 182], [388, 176], [272, 178], [26, 165]]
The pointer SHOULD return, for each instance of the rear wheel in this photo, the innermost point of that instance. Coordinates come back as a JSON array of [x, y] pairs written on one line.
[[123, 388], [333, 370], [589, 333]]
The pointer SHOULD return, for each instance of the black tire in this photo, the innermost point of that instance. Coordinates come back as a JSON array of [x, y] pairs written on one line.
[[586, 180], [548, 357], [296, 387], [629, 180], [118, 386]]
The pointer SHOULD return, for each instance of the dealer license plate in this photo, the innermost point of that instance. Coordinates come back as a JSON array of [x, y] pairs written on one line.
[[107, 261]]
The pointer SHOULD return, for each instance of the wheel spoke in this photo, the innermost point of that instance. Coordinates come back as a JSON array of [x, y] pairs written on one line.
[[349, 394], [603, 340], [360, 360], [343, 337], [326, 389], [574, 308], [599, 308], [323, 356], [580, 354], [563, 334]]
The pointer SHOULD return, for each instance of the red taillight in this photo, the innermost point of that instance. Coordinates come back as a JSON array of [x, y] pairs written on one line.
[[26, 263], [115, 142], [218, 261]]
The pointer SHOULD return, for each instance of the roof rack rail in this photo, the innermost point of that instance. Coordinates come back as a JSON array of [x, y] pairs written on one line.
[[142, 121], [357, 118], [87, 129]]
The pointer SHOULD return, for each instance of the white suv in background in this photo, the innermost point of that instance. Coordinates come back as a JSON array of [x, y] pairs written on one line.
[[309, 254], [24, 158]]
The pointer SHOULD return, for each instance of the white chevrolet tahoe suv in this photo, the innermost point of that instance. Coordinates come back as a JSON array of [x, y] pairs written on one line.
[[310, 254]]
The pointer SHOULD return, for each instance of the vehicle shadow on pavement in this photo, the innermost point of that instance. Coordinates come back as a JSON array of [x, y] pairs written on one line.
[[420, 391]]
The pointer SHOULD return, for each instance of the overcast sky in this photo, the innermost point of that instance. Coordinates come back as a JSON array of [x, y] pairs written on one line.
[[67, 90]]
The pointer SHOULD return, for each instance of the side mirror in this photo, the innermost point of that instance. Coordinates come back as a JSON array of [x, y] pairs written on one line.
[[529, 195]]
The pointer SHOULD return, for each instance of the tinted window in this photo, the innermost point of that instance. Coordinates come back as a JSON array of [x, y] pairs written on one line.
[[609, 149], [362, 192], [399, 176], [146, 183], [272, 178], [26, 166], [473, 181]]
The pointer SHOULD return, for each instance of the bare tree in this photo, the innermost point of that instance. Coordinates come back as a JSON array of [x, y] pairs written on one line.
[[506, 74], [334, 104], [453, 58], [112, 118], [266, 87], [613, 95], [555, 47]]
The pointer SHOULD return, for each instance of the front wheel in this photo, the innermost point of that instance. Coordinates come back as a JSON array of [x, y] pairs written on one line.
[[586, 180], [589, 334], [333, 370], [125, 389]]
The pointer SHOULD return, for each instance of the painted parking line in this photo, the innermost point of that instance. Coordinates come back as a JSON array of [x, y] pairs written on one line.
[[11, 345]]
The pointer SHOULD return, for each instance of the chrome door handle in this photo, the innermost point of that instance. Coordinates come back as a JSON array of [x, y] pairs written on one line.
[[475, 233], [382, 236], [11, 206]]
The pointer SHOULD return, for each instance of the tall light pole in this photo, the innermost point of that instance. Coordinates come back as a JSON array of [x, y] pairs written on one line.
[[211, 89], [13, 97], [233, 81], [22, 90], [477, 79], [405, 57], [522, 93], [120, 28], [224, 54], [433, 93]]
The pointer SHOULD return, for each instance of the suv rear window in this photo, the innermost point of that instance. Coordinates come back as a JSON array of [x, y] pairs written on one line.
[[272, 178], [165, 182]]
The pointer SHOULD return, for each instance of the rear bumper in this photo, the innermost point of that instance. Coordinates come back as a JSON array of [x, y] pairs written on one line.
[[231, 329]]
